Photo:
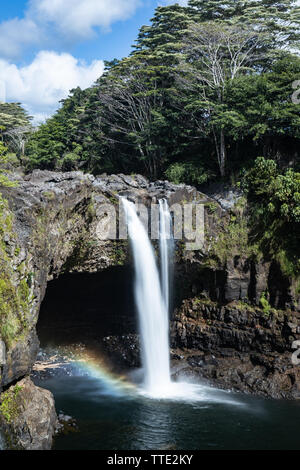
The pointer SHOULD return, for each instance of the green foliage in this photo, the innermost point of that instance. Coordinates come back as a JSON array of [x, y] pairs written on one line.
[[264, 303], [14, 294], [206, 89], [49, 195], [232, 240], [13, 115], [4, 180], [161, 111], [15, 127], [281, 18], [187, 172], [274, 199], [9, 403], [67, 141], [119, 253], [264, 106]]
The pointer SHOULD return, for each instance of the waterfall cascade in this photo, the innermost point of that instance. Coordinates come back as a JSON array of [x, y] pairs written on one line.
[[152, 300], [166, 246], [151, 304]]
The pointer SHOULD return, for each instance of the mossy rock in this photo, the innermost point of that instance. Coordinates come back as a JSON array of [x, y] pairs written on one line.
[[9, 403]]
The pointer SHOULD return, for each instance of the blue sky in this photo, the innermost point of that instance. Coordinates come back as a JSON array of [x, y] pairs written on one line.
[[48, 47]]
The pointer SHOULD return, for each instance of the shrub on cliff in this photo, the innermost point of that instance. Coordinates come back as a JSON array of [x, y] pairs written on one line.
[[274, 199]]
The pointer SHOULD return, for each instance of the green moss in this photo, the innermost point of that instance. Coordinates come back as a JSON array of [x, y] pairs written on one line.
[[289, 267], [9, 403], [17, 251], [91, 210], [233, 239], [211, 207], [119, 252], [14, 293], [113, 199], [49, 195], [243, 305], [265, 304]]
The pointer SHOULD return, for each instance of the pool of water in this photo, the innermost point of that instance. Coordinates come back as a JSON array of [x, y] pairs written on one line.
[[113, 416]]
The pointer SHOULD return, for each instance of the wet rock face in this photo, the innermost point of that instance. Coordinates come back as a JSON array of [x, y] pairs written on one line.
[[123, 350], [59, 223], [58, 227], [20, 358], [28, 416], [239, 347]]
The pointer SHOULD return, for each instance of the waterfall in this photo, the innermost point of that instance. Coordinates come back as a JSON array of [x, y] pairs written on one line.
[[151, 306], [152, 297], [166, 249]]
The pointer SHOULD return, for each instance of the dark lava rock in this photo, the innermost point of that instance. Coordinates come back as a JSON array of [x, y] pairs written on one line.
[[66, 424], [123, 350], [241, 349]]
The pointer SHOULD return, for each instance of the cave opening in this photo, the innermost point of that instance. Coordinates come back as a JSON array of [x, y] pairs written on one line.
[[87, 308]]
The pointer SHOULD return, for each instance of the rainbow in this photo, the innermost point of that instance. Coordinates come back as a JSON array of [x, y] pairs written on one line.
[[97, 368]]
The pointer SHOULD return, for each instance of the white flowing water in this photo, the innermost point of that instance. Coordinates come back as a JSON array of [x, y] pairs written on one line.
[[166, 249], [152, 304], [153, 315]]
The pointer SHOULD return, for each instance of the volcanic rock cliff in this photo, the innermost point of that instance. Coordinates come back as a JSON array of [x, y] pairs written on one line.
[[235, 314]]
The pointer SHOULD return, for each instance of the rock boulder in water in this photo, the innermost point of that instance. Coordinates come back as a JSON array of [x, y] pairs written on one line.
[[28, 416]]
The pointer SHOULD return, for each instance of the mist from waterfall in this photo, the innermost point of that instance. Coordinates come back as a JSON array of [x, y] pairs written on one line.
[[151, 306]]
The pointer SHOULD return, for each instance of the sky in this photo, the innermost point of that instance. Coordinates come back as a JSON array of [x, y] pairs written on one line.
[[48, 47]]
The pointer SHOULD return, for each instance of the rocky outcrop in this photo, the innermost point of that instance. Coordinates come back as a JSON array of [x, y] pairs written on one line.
[[238, 346], [28, 416], [56, 223], [53, 223]]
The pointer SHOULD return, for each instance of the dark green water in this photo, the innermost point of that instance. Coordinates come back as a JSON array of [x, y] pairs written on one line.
[[112, 419]]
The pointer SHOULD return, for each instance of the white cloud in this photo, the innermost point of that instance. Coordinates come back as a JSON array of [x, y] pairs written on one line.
[[17, 33], [48, 79], [79, 17], [50, 20]]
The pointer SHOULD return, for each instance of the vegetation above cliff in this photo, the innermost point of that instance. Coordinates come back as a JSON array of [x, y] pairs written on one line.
[[206, 89], [274, 200]]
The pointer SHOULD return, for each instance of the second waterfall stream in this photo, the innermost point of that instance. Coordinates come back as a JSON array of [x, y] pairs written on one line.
[[152, 300]]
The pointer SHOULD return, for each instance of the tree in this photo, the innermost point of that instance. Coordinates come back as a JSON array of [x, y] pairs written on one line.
[[131, 110], [4, 180], [263, 102], [62, 135], [15, 127], [18, 137], [214, 55], [274, 199], [221, 113], [280, 19], [13, 115]]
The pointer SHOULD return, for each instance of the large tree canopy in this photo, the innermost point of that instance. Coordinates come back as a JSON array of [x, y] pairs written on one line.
[[15, 127], [206, 89]]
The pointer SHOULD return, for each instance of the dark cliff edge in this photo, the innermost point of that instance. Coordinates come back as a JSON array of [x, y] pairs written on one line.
[[236, 315]]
